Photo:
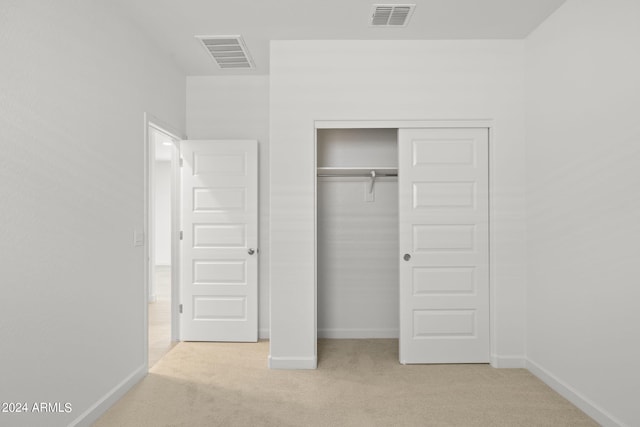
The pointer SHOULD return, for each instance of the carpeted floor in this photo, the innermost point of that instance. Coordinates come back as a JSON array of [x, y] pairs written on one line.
[[357, 383]]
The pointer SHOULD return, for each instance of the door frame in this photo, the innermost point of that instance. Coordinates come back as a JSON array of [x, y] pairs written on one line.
[[153, 122], [421, 124]]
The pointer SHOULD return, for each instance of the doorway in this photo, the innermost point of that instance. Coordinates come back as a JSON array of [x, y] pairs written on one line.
[[161, 249]]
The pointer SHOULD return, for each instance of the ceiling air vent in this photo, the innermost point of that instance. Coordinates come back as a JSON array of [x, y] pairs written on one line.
[[229, 52], [391, 15]]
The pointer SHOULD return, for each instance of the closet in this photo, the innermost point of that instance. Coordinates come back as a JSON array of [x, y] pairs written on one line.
[[357, 233], [402, 239]]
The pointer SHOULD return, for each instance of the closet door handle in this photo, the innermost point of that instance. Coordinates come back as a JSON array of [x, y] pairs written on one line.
[[407, 257], [251, 251]]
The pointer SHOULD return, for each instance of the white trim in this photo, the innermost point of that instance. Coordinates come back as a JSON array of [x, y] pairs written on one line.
[[508, 362], [493, 288], [293, 362], [149, 233], [357, 333], [175, 243], [264, 333], [163, 126], [94, 412], [146, 227], [408, 124], [572, 395], [315, 239]]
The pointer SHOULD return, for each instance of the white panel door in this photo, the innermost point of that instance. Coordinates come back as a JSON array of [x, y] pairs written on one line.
[[219, 254], [444, 245]]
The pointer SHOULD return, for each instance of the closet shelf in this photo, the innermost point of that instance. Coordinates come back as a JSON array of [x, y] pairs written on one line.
[[357, 171]]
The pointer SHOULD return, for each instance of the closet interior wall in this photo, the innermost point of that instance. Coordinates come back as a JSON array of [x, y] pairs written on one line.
[[357, 234]]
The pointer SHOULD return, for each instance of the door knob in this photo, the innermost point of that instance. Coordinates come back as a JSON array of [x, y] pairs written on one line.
[[407, 257], [251, 251]]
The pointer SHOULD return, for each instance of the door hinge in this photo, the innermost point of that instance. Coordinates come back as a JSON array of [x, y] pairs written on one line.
[[180, 308], [181, 161], [180, 234]]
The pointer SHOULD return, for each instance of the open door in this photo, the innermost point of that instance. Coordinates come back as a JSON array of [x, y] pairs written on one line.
[[219, 254], [444, 245]]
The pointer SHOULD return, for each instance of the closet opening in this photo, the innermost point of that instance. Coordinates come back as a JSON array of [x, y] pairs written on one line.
[[402, 238], [357, 233]]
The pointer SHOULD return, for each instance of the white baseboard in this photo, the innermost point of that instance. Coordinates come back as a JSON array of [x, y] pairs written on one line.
[[293, 362], [594, 411], [357, 333], [94, 412], [508, 362]]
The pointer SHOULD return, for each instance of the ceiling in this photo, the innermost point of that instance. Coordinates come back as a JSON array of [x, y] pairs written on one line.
[[173, 24]]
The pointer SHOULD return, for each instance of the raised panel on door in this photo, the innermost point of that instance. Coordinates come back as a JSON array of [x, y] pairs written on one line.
[[444, 245], [219, 274]]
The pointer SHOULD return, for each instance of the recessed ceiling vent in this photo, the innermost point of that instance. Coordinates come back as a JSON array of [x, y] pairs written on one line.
[[227, 51], [391, 15]]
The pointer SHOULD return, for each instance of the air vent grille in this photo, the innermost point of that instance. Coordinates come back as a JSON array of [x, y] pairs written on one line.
[[391, 15], [227, 51]]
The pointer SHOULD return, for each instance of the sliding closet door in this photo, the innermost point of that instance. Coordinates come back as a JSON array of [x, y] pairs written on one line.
[[444, 245]]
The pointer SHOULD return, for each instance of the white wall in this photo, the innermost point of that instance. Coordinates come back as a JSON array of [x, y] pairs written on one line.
[[389, 80], [75, 81], [237, 107], [583, 174], [162, 200], [357, 258]]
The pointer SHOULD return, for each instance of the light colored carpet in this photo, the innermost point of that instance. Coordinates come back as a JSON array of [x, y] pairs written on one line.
[[357, 383]]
